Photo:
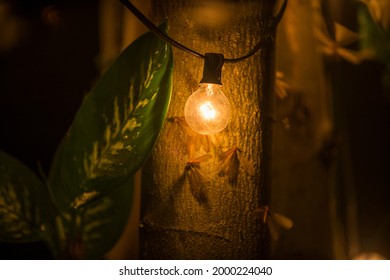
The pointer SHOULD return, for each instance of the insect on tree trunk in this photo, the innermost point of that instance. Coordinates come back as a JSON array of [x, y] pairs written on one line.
[[203, 208]]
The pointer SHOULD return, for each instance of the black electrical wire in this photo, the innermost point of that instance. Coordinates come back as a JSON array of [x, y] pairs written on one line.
[[263, 39]]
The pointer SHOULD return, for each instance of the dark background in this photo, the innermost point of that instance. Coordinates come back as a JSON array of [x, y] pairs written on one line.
[[361, 104], [42, 82]]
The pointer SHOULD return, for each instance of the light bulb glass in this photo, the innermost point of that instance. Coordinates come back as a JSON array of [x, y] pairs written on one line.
[[207, 110]]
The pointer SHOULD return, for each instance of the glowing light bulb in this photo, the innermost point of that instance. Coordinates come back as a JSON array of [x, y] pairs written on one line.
[[207, 110]]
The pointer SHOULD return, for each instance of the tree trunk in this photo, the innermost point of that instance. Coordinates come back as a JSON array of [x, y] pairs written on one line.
[[174, 225]]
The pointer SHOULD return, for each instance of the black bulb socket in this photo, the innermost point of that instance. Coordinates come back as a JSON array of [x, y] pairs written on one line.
[[212, 69]]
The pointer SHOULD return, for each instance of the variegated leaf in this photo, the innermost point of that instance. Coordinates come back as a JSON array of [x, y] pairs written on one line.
[[92, 231], [117, 125], [26, 212]]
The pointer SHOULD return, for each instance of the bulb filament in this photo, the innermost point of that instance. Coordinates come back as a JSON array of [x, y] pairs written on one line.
[[208, 111]]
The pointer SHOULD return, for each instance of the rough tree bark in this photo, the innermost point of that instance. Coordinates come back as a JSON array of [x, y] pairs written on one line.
[[173, 224]]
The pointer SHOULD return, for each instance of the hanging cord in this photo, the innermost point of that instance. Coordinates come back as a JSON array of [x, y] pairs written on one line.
[[263, 39]]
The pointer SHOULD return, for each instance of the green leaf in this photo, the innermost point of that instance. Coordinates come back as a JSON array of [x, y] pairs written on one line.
[[26, 211], [117, 125], [95, 229]]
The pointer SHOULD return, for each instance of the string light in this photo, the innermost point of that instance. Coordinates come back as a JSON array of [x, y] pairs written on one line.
[[207, 110]]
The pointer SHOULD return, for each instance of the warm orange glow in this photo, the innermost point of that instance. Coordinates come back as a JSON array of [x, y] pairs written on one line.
[[207, 110]]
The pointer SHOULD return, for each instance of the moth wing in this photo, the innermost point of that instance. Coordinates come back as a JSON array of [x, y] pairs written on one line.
[[273, 220], [282, 220], [204, 158], [344, 36], [198, 183], [204, 178], [225, 155], [229, 163], [354, 57], [281, 89], [272, 228], [230, 168], [246, 164], [279, 75]]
